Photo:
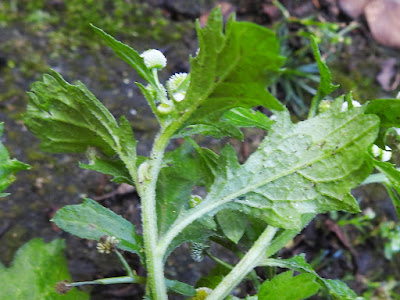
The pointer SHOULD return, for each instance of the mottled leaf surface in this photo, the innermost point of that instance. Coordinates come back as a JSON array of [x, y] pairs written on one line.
[[308, 167], [91, 220], [34, 272], [286, 287], [8, 166]]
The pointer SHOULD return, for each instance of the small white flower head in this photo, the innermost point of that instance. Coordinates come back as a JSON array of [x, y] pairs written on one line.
[[345, 105], [177, 86], [154, 59], [383, 155], [164, 108], [178, 97], [398, 95], [107, 244], [369, 213], [195, 200]]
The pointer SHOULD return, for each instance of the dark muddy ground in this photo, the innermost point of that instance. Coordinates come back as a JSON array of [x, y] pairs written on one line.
[[55, 180]]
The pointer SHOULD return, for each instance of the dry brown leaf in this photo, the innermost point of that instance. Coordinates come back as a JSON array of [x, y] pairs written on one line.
[[383, 18], [387, 74], [353, 8]]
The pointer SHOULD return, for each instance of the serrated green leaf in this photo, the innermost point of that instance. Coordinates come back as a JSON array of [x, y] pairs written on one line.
[[217, 130], [336, 288], [247, 117], [308, 167], [8, 167], [69, 118], [325, 86], [129, 55], [231, 70], [286, 287], [34, 272], [232, 223], [91, 220]]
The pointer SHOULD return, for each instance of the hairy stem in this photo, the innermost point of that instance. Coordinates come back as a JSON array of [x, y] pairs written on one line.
[[253, 258], [147, 190]]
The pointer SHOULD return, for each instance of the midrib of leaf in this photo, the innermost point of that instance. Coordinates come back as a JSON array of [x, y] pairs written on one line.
[[300, 165], [210, 204]]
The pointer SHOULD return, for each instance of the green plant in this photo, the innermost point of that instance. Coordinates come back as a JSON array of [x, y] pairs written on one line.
[[252, 209], [300, 75]]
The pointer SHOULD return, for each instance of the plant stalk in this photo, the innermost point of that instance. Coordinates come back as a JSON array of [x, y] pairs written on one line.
[[253, 257], [147, 191]]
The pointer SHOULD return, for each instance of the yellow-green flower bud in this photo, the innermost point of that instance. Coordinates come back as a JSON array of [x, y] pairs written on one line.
[[164, 108]]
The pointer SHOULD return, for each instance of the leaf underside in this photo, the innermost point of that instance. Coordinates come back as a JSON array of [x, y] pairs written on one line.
[[91, 220], [308, 167]]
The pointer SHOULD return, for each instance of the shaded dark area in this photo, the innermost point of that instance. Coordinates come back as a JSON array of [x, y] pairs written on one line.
[[38, 35]]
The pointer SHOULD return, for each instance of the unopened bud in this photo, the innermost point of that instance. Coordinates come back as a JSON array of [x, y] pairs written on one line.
[[154, 59]]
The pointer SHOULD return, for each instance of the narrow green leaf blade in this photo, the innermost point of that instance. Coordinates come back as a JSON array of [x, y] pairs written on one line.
[[286, 287], [34, 272], [115, 168], [91, 220], [393, 176], [8, 166], [325, 86], [128, 54], [180, 287], [247, 117]]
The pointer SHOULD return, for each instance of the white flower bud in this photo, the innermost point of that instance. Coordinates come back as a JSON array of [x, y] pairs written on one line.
[[154, 58], [177, 86], [383, 155], [345, 105], [178, 97]]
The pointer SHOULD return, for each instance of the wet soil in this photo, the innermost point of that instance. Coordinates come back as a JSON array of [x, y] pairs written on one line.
[[56, 180]]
